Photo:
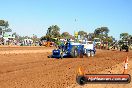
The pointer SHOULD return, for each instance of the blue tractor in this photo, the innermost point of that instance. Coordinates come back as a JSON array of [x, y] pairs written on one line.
[[69, 50]]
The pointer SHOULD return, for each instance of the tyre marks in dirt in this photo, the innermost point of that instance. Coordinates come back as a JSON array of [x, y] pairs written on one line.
[[38, 71]]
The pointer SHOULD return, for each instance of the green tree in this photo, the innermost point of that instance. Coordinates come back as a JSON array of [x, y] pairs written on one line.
[[4, 25], [124, 36], [16, 35], [53, 31], [65, 35], [104, 31], [90, 36], [0, 31], [101, 33], [97, 32], [110, 39], [82, 34], [43, 38], [8, 30]]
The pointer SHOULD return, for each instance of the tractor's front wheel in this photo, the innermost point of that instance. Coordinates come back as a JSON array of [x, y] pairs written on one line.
[[92, 53], [88, 53]]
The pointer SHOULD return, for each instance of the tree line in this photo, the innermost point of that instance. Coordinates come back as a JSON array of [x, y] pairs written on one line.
[[4, 27], [101, 32], [53, 31]]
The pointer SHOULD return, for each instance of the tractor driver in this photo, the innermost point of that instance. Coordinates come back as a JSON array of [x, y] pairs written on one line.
[[62, 46]]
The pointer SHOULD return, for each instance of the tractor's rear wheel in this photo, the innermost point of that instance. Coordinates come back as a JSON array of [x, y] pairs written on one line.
[[74, 52], [81, 54], [127, 50], [120, 49]]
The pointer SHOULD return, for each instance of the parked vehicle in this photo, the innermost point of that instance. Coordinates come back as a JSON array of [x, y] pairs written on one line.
[[89, 48], [124, 46]]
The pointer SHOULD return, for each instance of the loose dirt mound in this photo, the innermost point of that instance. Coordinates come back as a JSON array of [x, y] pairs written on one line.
[[35, 70]]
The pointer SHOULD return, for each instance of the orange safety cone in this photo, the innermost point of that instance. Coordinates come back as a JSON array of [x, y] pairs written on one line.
[[126, 66], [80, 71]]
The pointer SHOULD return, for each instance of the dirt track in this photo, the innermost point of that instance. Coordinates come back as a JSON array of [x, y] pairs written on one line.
[[29, 67]]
